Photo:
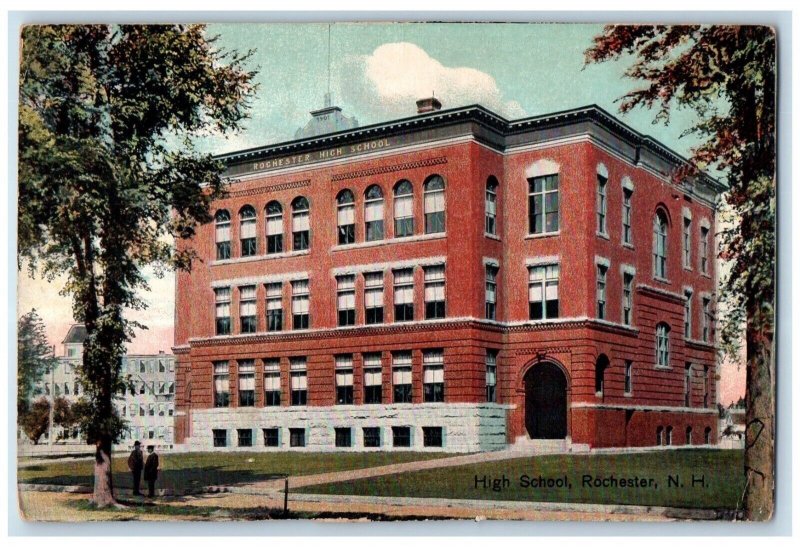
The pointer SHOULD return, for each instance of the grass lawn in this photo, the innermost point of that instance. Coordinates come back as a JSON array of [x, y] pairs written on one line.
[[721, 470], [182, 471]]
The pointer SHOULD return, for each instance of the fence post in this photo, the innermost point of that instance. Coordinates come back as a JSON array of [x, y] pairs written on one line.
[[285, 496]]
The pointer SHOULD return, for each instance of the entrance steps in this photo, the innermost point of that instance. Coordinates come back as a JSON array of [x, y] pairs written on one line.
[[526, 445]]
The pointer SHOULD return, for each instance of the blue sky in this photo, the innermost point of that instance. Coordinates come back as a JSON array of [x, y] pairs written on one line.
[[379, 69]]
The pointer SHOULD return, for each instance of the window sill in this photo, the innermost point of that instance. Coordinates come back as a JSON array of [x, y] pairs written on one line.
[[603, 235], [706, 275], [628, 395], [543, 235], [259, 257], [628, 245], [687, 268], [388, 241], [662, 280], [492, 236], [657, 367]]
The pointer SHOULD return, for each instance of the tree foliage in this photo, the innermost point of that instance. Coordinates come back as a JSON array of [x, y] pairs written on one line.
[[726, 75], [109, 175], [35, 421], [34, 358]]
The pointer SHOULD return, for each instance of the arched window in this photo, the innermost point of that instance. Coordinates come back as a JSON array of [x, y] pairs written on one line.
[[403, 209], [300, 224], [434, 205], [222, 221], [660, 245], [373, 213], [662, 345], [274, 213], [659, 435], [600, 374], [346, 217], [707, 435], [491, 206], [247, 230], [669, 435], [689, 435]]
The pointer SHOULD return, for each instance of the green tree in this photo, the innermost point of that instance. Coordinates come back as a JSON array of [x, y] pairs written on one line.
[[726, 75], [35, 421], [109, 177], [34, 358]]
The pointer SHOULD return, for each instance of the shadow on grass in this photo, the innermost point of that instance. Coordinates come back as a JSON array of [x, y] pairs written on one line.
[[178, 480]]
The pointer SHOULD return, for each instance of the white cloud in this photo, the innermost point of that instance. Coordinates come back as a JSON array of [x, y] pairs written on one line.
[[387, 83]]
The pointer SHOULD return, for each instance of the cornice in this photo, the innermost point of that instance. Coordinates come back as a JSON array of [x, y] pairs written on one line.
[[389, 169], [411, 328], [268, 189]]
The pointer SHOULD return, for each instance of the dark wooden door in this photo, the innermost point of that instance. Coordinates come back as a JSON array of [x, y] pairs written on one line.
[[546, 402]]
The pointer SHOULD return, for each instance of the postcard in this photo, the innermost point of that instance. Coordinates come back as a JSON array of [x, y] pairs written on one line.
[[396, 271]]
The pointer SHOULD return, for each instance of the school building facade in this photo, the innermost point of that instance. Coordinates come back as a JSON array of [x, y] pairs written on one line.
[[452, 281]]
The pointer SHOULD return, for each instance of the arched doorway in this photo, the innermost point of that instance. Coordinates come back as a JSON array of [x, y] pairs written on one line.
[[546, 402]]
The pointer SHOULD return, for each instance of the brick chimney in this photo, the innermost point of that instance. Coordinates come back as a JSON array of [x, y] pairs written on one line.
[[429, 104]]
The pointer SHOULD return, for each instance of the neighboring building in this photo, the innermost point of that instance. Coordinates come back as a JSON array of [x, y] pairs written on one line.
[[148, 409], [452, 281]]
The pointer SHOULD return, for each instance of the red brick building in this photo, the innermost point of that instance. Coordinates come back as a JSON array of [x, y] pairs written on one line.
[[452, 281]]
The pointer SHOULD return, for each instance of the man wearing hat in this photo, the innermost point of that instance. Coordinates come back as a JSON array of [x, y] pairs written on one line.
[[151, 470], [136, 464]]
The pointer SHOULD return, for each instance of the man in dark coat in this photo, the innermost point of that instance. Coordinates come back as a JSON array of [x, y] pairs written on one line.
[[136, 464], [151, 470]]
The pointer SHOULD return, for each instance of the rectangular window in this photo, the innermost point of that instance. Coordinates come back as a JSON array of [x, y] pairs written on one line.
[[627, 232], [245, 437], [247, 308], [687, 243], [223, 310], [404, 295], [346, 299], [297, 437], [299, 377], [300, 230], [271, 436], [687, 314], [272, 382], [401, 436], [346, 220], [373, 379], [434, 292], [223, 237], [543, 204], [343, 437], [300, 294], [274, 307], [222, 390], [706, 388], [274, 231], [491, 209], [373, 219], [543, 292], [627, 298], [220, 437], [344, 379], [491, 291], [404, 215], [491, 376], [707, 319], [433, 376], [432, 436], [628, 377], [601, 204], [373, 298], [372, 437], [247, 382], [247, 235], [687, 385], [434, 208], [601, 291], [401, 376], [704, 250]]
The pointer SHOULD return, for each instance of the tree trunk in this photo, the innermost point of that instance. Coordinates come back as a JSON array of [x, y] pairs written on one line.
[[759, 455], [103, 495]]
